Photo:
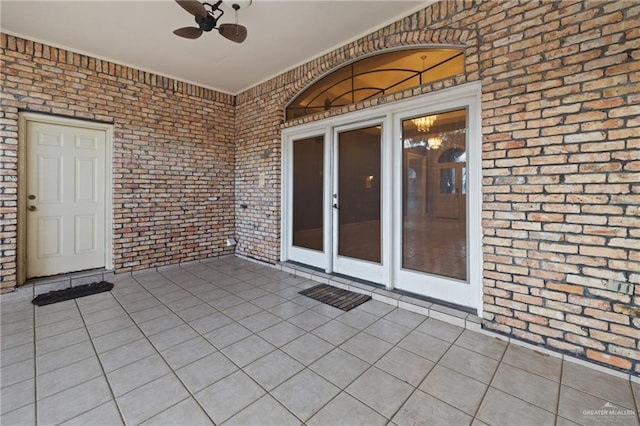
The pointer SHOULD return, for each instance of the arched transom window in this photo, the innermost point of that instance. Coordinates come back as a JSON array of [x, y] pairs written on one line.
[[372, 76]]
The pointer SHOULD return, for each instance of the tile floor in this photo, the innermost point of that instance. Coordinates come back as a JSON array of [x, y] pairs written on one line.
[[231, 342]]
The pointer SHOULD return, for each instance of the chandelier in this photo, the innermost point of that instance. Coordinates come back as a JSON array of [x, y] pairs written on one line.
[[423, 124], [434, 143]]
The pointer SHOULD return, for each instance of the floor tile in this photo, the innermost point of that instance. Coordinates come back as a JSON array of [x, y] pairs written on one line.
[[146, 401], [268, 301], [242, 311], [405, 365], [123, 355], [210, 322], [339, 367], [157, 311], [327, 310], [109, 326], [424, 410], [308, 320], [137, 374], [106, 414], [455, 389], [527, 386], [264, 412], [86, 396], [605, 386], [17, 354], [335, 332], [305, 394], [273, 369], [67, 377], [388, 331], [54, 329], [482, 344], [440, 329], [186, 412], [380, 391], [168, 338], [307, 348], [260, 321], [17, 395], [503, 409], [252, 294], [424, 345], [287, 310], [281, 333], [117, 338], [227, 335], [376, 308], [63, 357], [205, 371], [366, 347], [248, 350], [405, 318], [586, 409], [228, 396], [534, 362], [158, 325], [196, 312], [345, 409], [469, 363], [17, 339], [357, 319], [226, 302], [24, 416], [187, 352]]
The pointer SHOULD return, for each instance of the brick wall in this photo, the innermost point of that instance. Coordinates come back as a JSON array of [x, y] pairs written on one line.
[[173, 148], [561, 162]]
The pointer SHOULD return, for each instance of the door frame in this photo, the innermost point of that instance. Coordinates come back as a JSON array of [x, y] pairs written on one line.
[[23, 119], [466, 95]]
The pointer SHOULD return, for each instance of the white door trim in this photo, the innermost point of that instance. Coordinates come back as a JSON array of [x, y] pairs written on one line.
[[23, 119], [469, 94]]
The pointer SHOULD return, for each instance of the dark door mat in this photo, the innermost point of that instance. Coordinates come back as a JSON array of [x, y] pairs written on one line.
[[336, 297], [71, 293]]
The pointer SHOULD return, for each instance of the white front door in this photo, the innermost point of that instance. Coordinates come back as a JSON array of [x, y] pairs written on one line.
[[357, 201], [65, 199]]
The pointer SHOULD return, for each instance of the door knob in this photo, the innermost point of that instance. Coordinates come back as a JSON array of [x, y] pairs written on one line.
[[32, 197], [32, 208]]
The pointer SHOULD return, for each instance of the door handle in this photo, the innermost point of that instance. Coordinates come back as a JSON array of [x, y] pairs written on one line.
[[335, 206], [32, 208]]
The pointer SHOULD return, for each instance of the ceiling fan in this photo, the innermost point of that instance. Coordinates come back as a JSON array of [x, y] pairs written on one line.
[[207, 20]]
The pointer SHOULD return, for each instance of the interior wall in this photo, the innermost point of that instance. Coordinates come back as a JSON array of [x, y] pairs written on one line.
[[561, 189], [173, 149]]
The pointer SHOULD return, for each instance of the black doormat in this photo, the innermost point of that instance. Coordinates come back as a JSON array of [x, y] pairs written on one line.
[[71, 293], [336, 297]]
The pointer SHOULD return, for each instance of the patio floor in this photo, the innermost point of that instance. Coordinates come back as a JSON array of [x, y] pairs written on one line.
[[231, 342]]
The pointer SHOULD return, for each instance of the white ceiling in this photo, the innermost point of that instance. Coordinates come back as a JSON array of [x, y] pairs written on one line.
[[282, 34]]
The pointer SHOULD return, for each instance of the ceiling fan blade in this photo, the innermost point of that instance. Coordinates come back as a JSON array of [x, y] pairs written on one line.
[[188, 32], [233, 32], [193, 7]]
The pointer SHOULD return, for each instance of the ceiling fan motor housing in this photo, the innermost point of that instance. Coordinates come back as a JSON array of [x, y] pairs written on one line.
[[206, 23]]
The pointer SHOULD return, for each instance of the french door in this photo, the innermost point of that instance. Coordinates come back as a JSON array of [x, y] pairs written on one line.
[[381, 196], [357, 200]]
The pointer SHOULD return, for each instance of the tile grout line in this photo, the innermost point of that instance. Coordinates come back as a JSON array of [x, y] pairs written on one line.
[[239, 368], [104, 373]]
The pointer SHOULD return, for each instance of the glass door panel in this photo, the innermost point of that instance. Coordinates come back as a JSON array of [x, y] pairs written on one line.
[[434, 226], [359, 194], [308, 192], [357, 201]]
